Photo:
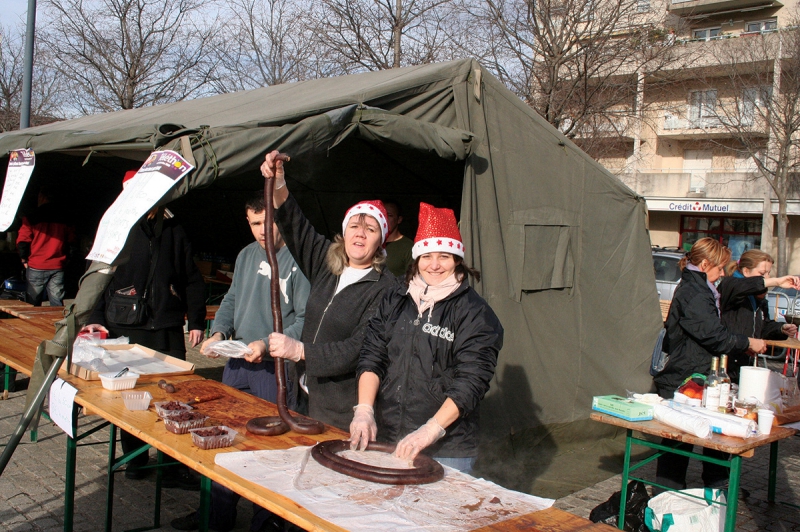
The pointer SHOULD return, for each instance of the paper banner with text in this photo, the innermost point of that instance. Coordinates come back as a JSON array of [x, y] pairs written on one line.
[[62, 397], [159, 173], [20, 168]]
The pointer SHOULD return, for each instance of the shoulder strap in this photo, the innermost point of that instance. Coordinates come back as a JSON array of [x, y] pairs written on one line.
[[154, 258]]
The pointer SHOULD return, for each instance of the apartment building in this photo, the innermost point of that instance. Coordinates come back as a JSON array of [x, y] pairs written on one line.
[[697, 179]]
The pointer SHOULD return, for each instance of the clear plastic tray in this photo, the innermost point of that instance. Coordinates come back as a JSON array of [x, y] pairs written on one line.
[[182, 427], [162, 412], [137, 400], [126, 382], [213, 442]]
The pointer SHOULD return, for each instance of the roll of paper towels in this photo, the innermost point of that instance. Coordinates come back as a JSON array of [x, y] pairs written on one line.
[[753, 382]]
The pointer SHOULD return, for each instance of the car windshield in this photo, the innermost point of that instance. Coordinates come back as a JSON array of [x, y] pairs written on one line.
[[667, 269]]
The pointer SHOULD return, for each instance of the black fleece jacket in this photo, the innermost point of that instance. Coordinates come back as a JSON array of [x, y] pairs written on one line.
[[740, 317], [421, 361], [177, 289], [334, 328], [695, 332]]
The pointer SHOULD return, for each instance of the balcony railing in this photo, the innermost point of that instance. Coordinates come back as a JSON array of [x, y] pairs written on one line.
[[674, 122]]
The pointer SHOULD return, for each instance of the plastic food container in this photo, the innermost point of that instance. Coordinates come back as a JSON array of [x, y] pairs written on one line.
[[182, 422], [126, 382], [164, 408], [214, 441], [137, 400]]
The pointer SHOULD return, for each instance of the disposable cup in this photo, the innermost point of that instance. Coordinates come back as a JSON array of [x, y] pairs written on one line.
[[765, 418]]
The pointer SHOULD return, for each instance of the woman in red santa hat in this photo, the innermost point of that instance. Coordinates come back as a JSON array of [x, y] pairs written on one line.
[[429, 354], [348, 281]]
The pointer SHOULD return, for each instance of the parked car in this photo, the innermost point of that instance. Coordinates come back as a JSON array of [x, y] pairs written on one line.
[[668, 272], [780, 300]]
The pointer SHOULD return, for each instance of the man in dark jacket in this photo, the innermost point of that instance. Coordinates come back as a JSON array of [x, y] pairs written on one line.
[[176, 291]]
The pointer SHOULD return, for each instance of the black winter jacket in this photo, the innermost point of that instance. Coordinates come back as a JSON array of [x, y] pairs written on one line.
[[423, 360], [334, 328], [740, 317], [695, 332], [177, 291]]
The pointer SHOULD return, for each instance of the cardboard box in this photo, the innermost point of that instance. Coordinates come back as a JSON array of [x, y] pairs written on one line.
[[181, 366], [617, 406]]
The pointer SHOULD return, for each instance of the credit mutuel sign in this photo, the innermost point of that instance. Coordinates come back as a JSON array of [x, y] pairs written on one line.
[[711, 206]]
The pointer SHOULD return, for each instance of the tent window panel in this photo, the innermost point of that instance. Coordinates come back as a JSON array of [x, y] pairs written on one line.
[[548, 258]]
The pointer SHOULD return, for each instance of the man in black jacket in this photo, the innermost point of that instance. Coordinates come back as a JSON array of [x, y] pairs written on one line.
[[175, 291]]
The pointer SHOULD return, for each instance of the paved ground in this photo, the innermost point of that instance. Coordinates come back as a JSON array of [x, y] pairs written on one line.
[[31, 488]]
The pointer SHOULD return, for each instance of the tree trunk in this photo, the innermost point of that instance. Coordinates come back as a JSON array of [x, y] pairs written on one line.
[[398, 32], [783, 224]]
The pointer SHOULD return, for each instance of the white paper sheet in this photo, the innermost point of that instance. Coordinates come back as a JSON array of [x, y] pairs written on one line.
[[62, 397], [158, 174], [456, 503], [20, 168]]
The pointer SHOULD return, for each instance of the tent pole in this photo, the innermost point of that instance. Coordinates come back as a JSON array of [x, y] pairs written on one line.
[[27, 68], [29, 414]]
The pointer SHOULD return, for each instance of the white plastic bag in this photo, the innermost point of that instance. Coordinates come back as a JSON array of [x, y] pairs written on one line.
[[87, 349], [675, 511], [229, 348]]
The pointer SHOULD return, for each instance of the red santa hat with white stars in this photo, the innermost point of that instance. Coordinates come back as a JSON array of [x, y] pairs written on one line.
[[373, 208], [438, 231]]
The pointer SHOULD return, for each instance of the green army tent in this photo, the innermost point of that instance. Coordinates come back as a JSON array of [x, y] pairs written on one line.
[[562, 244]]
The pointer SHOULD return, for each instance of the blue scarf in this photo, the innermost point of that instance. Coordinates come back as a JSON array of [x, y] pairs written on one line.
[[711, 286], [752, 299]]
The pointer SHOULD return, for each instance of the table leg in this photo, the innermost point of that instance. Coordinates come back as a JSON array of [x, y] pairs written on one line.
[[205, 503], [733, 493], [157, 516], [623, 494], [112, 456], [773, 471], [69, 483]]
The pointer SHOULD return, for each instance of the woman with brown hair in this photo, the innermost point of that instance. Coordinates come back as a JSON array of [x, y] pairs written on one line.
[[695, 333], [744, 306]]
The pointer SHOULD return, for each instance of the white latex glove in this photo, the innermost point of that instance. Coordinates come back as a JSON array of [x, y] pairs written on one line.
[[428, 434], [363, 428], [216, 337], [282, 346]]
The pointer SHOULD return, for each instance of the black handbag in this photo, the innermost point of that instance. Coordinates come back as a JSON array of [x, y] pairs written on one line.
[[129, 310], [126, 310]]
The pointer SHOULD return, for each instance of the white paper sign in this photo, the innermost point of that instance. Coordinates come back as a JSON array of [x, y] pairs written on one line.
[[159, 173], [62, 397], [20, 168]]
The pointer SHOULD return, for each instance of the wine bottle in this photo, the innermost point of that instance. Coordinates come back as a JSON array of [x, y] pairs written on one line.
[[711, 391], [725, 403]]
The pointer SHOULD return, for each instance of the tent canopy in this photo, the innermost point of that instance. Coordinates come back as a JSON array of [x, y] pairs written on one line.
[[561, 243]]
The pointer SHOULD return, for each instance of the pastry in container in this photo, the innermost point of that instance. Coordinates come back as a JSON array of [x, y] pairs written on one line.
[[170, 407], [183, 421], [213, 437]]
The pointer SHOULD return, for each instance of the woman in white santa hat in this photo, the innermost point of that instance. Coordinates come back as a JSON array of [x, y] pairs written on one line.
[[348, 280], [429, 354]]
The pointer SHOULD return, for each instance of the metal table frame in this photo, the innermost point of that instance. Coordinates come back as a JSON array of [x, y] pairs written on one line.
[[733, 464]]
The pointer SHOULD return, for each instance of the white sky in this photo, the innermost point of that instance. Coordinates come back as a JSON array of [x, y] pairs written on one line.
[[13, 11]]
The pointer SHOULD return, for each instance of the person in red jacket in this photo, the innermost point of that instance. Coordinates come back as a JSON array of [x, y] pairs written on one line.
[[43, 243]]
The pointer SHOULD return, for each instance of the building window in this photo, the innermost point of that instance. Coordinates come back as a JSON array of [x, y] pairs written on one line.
[[707, 34], [754, 98], [739, 234], [702, 104], [761, 26], [643, 6]]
